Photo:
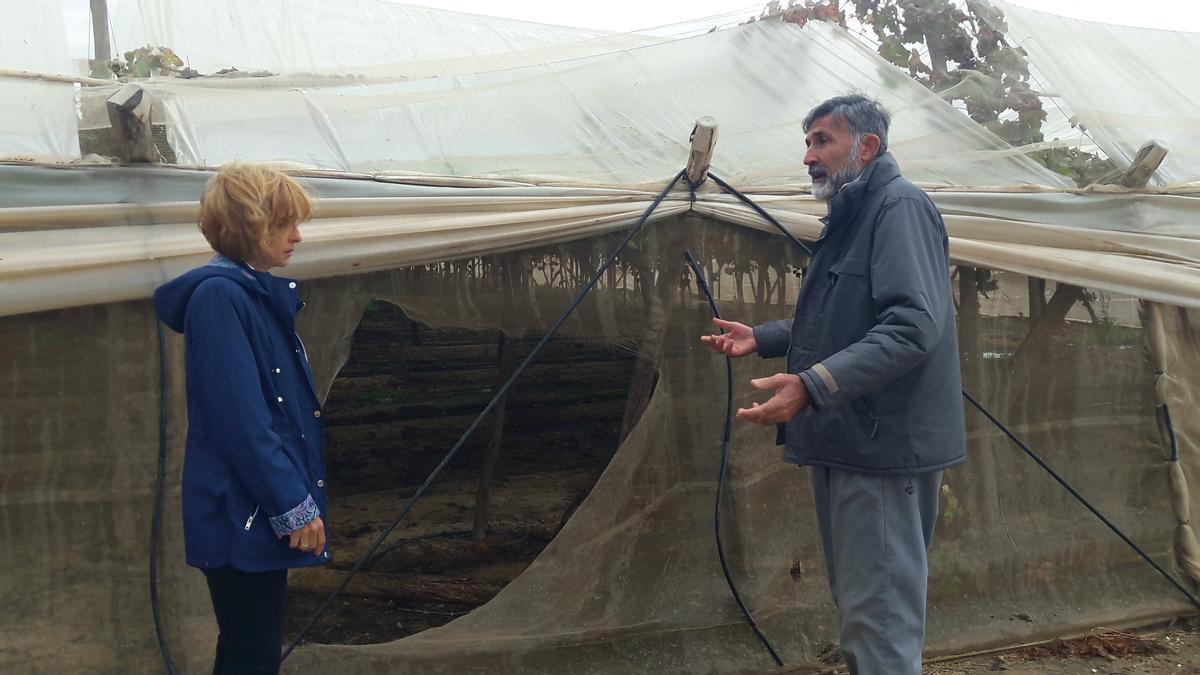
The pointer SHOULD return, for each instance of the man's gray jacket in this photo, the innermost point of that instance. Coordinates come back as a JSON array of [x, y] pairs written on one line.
[[874, 338]]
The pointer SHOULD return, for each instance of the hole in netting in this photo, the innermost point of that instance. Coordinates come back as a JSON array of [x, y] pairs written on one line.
[[406, 394]]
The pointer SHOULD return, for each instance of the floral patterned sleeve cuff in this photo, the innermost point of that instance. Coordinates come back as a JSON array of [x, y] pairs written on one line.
[[304, 513]]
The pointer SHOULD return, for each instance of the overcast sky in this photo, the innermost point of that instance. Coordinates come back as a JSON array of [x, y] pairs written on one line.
[[628, 15]]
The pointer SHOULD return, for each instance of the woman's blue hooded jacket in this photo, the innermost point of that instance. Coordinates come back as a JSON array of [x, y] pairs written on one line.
[[254, 468]]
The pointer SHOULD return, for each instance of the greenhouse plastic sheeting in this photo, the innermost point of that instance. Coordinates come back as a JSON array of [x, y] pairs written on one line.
[[121, 251], [349, 37], [1126, 85], [602, 110], [616, 119], [377, 39], [33, 37], [39, 119], [631, 583]]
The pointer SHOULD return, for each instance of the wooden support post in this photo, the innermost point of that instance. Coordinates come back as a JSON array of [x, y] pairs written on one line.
[[53, 77], [1037, 297], [99, 9], [968, 313], [1034, 349], [968, 331], [505, 358], [1137, 176], [783, 275], [703, 140], [129, 114], [968, 293]]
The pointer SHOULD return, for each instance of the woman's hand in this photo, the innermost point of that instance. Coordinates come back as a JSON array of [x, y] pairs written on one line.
[[311, 537]]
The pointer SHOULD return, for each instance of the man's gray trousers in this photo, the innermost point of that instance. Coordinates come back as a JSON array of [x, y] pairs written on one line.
[[876, 530]]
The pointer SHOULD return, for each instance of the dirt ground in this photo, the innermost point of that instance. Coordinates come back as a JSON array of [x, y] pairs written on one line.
[[1168, 648], [1162, 649]]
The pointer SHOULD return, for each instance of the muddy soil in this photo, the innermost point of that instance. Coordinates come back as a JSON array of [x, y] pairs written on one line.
[[1173, 648]]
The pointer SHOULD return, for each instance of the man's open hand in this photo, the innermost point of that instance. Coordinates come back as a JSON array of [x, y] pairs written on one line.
[[789, 399], [738, 339]]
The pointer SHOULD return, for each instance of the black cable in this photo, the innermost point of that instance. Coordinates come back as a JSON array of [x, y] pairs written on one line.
[[156, 518], [725, 435], [500, 394], [1095, 512], [1053, 474]]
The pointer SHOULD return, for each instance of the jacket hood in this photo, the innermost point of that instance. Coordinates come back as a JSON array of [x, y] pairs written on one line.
[[171, 299]]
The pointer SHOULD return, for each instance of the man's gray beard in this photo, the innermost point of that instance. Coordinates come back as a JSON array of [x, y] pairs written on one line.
[[837, 180]]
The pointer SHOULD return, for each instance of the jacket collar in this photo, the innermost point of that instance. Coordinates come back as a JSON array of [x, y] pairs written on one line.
[[847, 202], [251, 279], [279, 291]]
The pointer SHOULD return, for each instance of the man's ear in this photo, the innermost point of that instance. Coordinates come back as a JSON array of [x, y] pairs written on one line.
[[868, 150]]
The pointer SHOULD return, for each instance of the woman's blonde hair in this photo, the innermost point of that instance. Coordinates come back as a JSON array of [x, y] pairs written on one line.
[[245, 204]]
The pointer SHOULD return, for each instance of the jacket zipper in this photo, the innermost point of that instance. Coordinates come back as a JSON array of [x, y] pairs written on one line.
[[250, 520]]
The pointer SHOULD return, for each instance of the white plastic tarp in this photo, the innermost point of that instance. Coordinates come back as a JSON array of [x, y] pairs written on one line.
[[1126, 85], [360, 37], [616, 119], [33, 37], [37, 119], [122, 251]]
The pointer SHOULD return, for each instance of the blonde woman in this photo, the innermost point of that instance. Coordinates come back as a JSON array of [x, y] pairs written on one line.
[[253, 488]]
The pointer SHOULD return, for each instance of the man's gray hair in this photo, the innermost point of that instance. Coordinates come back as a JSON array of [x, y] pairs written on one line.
[[861, 114]]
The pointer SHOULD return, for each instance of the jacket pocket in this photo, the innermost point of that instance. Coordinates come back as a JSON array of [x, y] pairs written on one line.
[[854, 266], [866, 416], [849, 309], [250, 520], [295, 450]]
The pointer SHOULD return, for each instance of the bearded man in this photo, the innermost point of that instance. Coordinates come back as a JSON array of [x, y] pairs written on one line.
[[871, 394]]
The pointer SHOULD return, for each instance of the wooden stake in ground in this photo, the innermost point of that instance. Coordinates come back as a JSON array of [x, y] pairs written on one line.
[[505, 356]]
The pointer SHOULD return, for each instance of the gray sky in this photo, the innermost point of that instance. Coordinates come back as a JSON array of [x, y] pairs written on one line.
[[628, 15]]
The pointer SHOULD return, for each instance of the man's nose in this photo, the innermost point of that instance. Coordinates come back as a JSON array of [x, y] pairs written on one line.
[[809, 158]]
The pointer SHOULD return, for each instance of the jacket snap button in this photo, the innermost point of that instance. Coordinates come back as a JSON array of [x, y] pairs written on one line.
[[277, 371], [320, 483], [316, 413], [291, 284], [279, 398]]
